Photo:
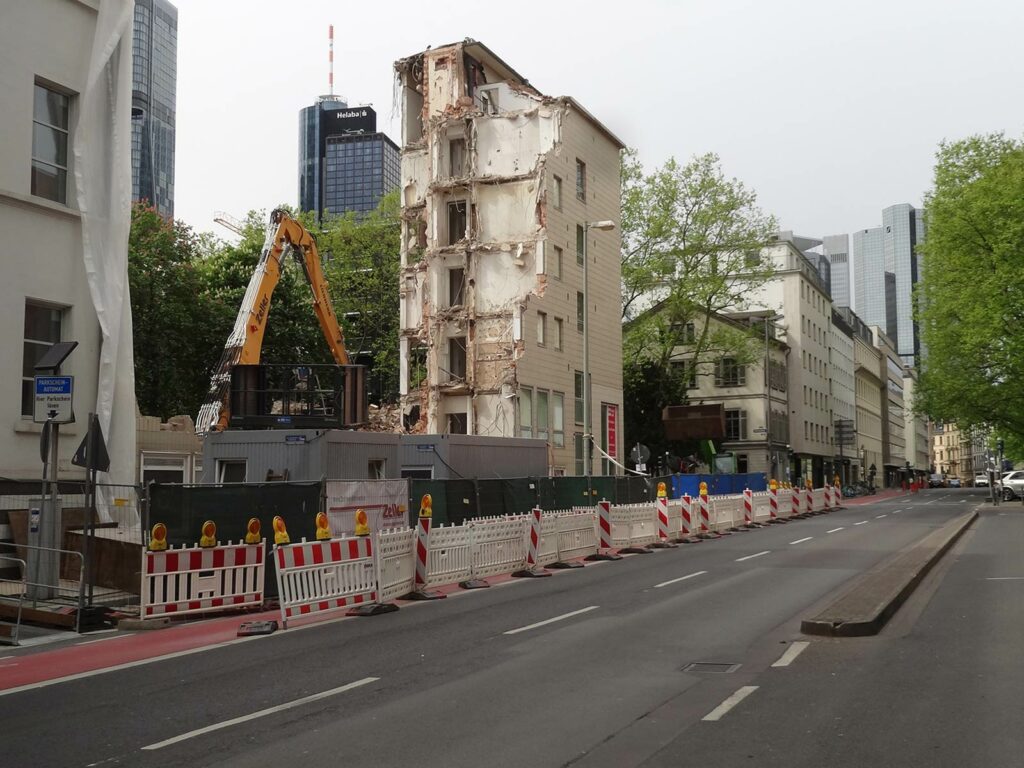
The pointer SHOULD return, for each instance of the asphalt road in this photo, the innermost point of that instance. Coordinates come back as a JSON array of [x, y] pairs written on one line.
[[585, 668]]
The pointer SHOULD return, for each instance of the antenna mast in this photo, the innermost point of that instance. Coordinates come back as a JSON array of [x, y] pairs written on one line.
[[330, 60]]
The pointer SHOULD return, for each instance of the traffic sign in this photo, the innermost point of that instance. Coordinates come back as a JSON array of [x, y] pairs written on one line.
[[54, 399]]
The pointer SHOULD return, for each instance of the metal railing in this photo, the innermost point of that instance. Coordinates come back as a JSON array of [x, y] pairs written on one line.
[[40, 593]]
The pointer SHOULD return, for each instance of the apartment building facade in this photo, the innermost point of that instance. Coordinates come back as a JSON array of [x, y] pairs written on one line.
[[500, 188], [915, 428], [868, 389], [843, 398], [894, 441]]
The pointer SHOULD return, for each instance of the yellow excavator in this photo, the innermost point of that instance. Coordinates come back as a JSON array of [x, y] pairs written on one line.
[[284, 235]]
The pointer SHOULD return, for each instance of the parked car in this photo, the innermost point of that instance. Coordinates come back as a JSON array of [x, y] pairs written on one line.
[[981, 480], [1013, 485], [935, 481], [954, 482]]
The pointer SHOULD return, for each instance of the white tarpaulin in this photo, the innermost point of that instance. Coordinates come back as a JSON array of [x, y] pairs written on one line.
[[103, 181], [384, 501]]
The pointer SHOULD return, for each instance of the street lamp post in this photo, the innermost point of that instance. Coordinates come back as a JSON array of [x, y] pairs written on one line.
[[587, 436]]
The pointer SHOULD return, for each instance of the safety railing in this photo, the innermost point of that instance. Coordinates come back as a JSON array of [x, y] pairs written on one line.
[[52, 594], [5, 594]]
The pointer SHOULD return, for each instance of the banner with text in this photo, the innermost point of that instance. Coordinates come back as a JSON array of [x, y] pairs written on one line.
[[384, 502]]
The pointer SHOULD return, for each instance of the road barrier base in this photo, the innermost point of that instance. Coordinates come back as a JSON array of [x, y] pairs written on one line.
[[709, 535], [777, 521], [474, 584], [250, 628], [372, 609], [663, 545], [531, 573], [563, 564], [635, 551], [602, 557], [424, 594]]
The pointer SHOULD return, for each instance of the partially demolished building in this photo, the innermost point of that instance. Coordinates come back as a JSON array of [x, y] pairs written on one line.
[[498, 185]]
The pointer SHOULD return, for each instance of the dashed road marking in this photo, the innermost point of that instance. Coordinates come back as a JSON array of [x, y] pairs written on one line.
[[791, 653], [262, 713], [836, 529], [801, 541], [681, 578], [751, 557], [722, 709], [879, 517], [551, 621], [863, 522]]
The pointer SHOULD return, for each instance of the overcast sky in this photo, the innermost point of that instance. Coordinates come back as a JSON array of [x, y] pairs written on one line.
[[829, 110]]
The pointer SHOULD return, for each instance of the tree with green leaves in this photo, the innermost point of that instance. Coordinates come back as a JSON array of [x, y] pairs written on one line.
[[174, 342], [970, 301], [691, 242]]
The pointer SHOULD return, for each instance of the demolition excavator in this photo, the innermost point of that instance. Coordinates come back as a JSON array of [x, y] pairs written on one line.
[[241, 394]]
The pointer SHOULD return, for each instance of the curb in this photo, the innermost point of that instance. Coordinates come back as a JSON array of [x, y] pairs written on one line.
[[875, 597]]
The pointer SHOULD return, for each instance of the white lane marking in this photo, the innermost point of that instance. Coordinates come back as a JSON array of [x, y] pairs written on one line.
[[1005, 578], [262, 713], [126, 665], [549, 621], [801, 541], [836, 529], [751, 557], [5, 657], [896, 511], [722, 709], [791, 653], [681, 578], [879, 517], [863, 522]]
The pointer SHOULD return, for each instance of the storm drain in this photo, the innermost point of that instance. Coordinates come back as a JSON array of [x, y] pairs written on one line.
[[711, 666]]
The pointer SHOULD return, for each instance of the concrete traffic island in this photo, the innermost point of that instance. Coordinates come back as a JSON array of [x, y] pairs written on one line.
[[873, 599]]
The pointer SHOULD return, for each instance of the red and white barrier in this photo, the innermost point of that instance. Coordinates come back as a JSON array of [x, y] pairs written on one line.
[[422, 548], [198, 580], [316, 576], [773, 502], [809, 496], [604, 531], [795, 494]]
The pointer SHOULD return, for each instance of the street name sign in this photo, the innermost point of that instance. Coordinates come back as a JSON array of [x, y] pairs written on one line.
[[54, 399]]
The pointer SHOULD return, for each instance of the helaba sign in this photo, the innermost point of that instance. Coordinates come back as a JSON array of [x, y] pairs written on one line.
[[349, 120]]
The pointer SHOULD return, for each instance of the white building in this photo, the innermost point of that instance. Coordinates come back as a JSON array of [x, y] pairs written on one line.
[[65, 195], [915, 428], [843, 398]]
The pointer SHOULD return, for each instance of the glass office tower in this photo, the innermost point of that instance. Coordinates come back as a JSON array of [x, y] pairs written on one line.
[[154, 85], [345, 164]]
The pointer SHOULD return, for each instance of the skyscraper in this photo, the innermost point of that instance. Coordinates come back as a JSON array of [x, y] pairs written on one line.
[[154, 85], [869, 278], [837, 250], [345, 164], [902, 231]]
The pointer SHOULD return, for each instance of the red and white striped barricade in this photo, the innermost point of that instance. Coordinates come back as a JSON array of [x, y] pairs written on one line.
[[202, 579], [773, 501], [532, 567], [317, 576], [690, 523], [661, 507], [796, 498], [749, 520], [827, 493], [605, 548], [705, 515], [809, 498], [838, 496], [396, 562], [424, 542]]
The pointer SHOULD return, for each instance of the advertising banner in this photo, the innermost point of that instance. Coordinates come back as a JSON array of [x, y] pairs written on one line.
[[384, 501]]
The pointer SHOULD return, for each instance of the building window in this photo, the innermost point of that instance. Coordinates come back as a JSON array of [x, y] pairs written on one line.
[[685, 370], [42, 331], [558, 334], [581, 180], [742, 466], [526, 412], [555, 268], [164, 468], [579, 311], [457, 158], [231, 470], [578, 395], [457, 357], [458, 424], [556, 194], [456, 221], [542, 414], [376, 469], [735, 424], [456, 284], [577, 450], [579, 244], [50, 144], [542, 328], [729, 374], [417, 366], [558, 419]]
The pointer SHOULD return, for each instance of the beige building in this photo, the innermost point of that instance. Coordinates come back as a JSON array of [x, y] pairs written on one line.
[[869, 401], [894, 441], [500, 185], [915, 428]]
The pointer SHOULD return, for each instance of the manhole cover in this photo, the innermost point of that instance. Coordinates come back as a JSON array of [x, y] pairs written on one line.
[[710, 666]]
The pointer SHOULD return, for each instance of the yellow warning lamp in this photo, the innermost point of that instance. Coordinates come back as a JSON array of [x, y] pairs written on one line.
[[661, 491], [810, 485], [703, 488], [323, 529], [158, 540], [426, 506], [209, 537], [252, 531], [280, 531], [836, 481], [362, 529], [774, 484]]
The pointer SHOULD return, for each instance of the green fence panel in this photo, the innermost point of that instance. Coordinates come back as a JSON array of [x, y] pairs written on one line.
[[438, 497], [462, 504]]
